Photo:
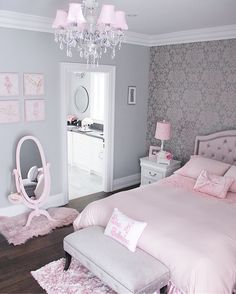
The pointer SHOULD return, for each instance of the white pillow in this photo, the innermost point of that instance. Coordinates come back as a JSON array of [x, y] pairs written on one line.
[[124, 229], [40, 187], [32, 173]]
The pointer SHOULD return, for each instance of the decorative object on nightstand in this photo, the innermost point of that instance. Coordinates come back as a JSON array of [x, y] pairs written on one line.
[[152, 171], [163, 133]]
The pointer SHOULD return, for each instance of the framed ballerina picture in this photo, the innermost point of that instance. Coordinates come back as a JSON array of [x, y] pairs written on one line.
[[33, 84], [9, 84], [9, 111], [34, 110]]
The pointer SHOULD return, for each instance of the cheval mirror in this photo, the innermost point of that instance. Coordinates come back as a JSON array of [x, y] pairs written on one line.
[[32, 177]]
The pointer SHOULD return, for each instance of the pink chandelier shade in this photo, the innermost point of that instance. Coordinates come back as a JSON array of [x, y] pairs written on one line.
[[60, 21], [107, 15], [75, 14], [120, 21], [163, 131]]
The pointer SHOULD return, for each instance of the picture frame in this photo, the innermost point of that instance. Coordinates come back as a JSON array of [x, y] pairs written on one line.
[[33, 84], [153, 151], [131, 95], [9, 111], [34, 110], [9, 84]]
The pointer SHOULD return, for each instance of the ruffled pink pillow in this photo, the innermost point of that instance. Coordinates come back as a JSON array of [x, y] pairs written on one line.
[[232, 173], [212, 184]]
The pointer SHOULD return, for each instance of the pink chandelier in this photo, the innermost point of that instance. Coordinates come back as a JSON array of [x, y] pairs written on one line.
[[92, 35]]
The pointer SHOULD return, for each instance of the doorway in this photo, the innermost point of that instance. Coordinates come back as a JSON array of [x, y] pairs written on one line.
[[94, 119]]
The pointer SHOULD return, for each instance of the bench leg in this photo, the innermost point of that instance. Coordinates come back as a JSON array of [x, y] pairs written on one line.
[[68, 261]]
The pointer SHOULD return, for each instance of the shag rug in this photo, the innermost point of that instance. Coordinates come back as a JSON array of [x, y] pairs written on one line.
[[14, 230], [77, 280]]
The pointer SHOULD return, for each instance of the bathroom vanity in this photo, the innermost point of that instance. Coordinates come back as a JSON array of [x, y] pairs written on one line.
[[85, 149]]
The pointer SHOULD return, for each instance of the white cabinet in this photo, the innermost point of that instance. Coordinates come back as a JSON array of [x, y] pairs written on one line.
[[152, 172], [85, 152]]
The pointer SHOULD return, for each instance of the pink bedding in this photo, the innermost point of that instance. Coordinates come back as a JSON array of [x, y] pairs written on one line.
[[194, 236]]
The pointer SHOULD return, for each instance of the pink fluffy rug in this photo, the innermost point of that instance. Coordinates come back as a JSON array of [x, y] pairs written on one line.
[[14, 230], [77, 280]]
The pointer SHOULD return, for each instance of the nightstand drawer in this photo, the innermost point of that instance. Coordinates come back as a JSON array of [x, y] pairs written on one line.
[[147, 181], [152, 174]]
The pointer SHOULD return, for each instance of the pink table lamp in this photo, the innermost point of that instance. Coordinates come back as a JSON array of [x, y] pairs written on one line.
[[163, 132]]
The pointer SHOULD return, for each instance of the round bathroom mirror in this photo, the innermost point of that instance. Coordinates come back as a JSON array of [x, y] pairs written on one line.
[[81, 99]]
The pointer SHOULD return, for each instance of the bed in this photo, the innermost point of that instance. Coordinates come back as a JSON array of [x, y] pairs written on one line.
[[192, 233]]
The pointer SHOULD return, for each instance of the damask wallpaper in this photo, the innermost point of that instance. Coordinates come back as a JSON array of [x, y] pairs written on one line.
[[194, 87]]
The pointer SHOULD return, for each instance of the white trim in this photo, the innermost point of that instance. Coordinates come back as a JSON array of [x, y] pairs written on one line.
[[126, 181], [22, 21], [109, 122], [16, 20], [15, 209], [190, 36]]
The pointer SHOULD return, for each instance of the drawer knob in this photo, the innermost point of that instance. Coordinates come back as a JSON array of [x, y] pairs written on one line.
[[152, 174]]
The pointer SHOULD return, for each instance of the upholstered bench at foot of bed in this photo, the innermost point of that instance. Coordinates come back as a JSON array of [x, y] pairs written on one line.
[[119, 268]]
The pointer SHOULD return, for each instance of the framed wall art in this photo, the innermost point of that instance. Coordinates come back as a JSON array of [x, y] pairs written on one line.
[[34, 110], [131, 95], [33, 84], [9, 111], [9, 84]]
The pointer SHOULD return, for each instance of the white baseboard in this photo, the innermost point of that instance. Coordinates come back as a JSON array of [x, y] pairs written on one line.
[[15, 209], [126, 181]]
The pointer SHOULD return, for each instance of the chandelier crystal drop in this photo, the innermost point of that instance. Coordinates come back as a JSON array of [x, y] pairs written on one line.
[[81, 28]]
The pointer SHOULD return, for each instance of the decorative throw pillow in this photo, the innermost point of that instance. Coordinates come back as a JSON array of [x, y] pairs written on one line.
[[32, 173], [196, 164], [212, 184], [124, 229], [232, 173]]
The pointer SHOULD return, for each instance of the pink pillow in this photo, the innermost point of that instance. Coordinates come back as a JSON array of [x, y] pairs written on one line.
[[232, 173], [196, 164], [212, 184], [124, 229]]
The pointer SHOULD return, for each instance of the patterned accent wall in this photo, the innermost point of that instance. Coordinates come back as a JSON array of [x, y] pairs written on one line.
[[194, 87]]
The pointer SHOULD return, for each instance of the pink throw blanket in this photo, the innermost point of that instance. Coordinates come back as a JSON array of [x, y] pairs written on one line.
[[194, 236]]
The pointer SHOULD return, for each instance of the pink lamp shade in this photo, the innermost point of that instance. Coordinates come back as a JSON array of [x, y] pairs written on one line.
[[60, 20], [163, 130], [107, 15], [75, 14], [120, 21]]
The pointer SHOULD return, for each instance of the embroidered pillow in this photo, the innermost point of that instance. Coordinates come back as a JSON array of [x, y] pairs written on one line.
[[212, 184], [196, 164], [232, 173], [124, 229]]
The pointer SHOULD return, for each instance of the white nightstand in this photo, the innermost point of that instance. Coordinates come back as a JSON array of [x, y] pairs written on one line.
[[152, 172]]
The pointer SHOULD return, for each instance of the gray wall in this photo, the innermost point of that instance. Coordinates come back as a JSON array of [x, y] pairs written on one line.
[[26, 51], [193, 86]]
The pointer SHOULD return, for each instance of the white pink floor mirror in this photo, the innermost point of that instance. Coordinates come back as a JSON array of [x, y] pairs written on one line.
[[32, 177]]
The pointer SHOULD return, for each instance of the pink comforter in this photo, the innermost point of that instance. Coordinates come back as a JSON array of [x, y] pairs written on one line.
[[194, 236]]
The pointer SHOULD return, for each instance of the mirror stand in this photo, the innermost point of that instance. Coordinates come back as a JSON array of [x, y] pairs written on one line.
[[43, 187]]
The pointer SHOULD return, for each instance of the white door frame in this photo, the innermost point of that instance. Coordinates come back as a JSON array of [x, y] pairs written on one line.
[[109, 122]]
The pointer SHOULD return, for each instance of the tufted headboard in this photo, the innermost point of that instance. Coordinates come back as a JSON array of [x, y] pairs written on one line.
[[220, 146]]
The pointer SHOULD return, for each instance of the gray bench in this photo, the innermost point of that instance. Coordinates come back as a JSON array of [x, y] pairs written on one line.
[[124, 271]]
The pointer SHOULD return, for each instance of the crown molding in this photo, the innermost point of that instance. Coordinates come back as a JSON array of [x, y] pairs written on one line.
[[16, 20], [191, 36], [22, 21]]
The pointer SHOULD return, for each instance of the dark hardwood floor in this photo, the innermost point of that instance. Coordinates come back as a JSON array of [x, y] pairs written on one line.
[[16, 262]]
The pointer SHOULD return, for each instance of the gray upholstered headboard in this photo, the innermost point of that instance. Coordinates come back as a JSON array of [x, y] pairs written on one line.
[[220, 146]]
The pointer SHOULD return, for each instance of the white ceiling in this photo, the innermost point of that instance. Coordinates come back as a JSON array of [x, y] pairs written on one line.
[[154, 16]]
